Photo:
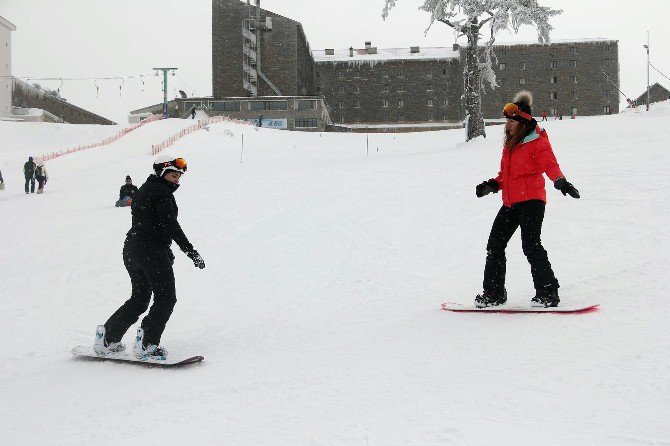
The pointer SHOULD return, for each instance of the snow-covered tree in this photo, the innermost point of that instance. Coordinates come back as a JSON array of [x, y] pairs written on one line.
[[468, 18]]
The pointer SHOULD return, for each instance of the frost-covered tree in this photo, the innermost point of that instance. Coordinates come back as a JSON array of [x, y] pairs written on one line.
[[469, 18]]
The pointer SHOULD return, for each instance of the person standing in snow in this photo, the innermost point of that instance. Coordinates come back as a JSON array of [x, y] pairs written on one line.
[[148, 259], [41, 175], [527, 154], [126, 193], [29, 174], [2, 182]]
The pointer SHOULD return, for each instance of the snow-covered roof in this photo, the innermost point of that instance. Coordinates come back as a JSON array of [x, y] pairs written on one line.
[[383, 54], [361, 55]]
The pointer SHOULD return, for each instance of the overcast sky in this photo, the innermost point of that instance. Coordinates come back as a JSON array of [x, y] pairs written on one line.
[[109, 38]]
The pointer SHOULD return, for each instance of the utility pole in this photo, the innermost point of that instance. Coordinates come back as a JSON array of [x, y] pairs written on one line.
[[647, 47], [165, 101]]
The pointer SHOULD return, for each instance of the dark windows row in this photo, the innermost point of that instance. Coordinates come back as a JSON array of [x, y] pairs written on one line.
[[386, 103], [357, 119], [341, 89], [552, 50], [399, 72]]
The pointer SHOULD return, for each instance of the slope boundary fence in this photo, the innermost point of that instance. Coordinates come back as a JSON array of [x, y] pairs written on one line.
[[104, 142], [156, 148]]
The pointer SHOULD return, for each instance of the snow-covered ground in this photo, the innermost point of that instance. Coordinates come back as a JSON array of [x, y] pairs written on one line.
[[319, 310]]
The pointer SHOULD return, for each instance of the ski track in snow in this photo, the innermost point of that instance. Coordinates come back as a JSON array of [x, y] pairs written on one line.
[[319, 310]]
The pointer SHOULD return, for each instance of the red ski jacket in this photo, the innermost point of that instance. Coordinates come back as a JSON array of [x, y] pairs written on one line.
[[521, 168]]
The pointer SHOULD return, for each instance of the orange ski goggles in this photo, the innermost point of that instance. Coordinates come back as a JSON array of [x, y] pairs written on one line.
[[511, 110]]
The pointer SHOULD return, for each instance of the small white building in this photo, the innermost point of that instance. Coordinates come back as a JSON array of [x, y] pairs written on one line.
[[6, 28]]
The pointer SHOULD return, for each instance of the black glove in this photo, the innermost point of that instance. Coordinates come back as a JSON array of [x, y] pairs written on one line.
[[487, 187], [565, 187], [197, 260]]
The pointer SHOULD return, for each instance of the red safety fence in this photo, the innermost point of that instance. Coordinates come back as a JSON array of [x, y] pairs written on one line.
[[105, 141], [194, 128]]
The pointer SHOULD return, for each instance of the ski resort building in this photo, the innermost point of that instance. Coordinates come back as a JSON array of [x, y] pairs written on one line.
[[260, 54], [6, 28]]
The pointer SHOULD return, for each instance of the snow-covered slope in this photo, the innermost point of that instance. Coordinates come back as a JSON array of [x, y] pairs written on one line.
[[318, 311]]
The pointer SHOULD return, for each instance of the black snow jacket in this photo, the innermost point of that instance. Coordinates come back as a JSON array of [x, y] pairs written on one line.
[[127, 190], [154, 211], [29, 169]]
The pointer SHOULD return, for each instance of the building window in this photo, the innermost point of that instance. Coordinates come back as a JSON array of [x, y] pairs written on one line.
[[357, 73], [573, 50], [385, 103], [444, 102], [573, 79], [573, 64], [503, 66], [606, 48], [401, 103], [385, 73], [502, 99], [341, 119], [503, 82], [554, 112], [318, 74], [400, 88], [401, 119], [385, 88], [429, 72], [430, 103], [400, 72], [342, 104], [318, 89], [268, 105], [357, 89], [340, 74], [357, 119], [606, 93], [554, 95], [429, 87], [357, 104], [573, 111], [444, 71], [607, 110], [305, 104], [522, 65], [574, 95], [554, 79], [503, 52], [226, 106], [308, 123], [606, 62], [340, 89], [522, 81], [522, 51], [386, 118], [554, 64], [430, 118]]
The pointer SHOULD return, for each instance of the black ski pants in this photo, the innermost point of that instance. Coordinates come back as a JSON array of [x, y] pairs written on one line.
[[30, 181], [150, 271], [529, 216]]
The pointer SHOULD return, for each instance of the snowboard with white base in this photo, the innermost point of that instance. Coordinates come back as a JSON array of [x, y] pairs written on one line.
[[86, 352], [574, 308]]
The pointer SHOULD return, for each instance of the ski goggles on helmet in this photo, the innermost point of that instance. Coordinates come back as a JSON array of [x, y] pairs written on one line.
[[177, 165], [512, 111]]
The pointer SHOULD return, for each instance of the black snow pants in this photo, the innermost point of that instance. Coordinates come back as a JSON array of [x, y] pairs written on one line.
[[529, 215], [30, 181], [150, 270]]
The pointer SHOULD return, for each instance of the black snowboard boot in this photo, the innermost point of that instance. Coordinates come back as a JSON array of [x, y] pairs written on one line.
[[545, 298], [490, 299]]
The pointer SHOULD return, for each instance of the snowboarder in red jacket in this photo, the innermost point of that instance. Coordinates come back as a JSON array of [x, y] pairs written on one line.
[[527, 155]]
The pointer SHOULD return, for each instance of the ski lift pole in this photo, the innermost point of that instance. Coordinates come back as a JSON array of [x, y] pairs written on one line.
[[616, 86], [165, 101]]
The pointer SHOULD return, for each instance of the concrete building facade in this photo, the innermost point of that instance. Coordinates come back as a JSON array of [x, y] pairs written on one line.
[[6, 29]]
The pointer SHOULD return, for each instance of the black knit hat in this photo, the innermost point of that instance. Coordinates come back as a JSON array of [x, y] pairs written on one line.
[[128, 178]]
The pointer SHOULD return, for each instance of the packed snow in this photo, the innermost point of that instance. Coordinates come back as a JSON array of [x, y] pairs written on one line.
[[318, 312]]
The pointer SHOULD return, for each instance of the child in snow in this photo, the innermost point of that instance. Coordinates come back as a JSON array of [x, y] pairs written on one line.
[[148, 260], [41, 175], [126, 193], [527, 154]]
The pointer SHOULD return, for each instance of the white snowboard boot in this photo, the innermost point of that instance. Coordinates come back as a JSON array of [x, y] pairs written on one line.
[[150, 351], [102, 347]]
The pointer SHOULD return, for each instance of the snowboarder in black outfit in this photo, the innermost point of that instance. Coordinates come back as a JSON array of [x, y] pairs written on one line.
[[2, 182], [126, 193], [193, 113], [29, 174], [148, 258]]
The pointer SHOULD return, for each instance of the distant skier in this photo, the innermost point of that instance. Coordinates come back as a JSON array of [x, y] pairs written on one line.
[[29, 174], [41, 175], [2, 182], [260, 121], [544, 115], [126, 193], [527, 154], [193, 113], [148, 260]]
